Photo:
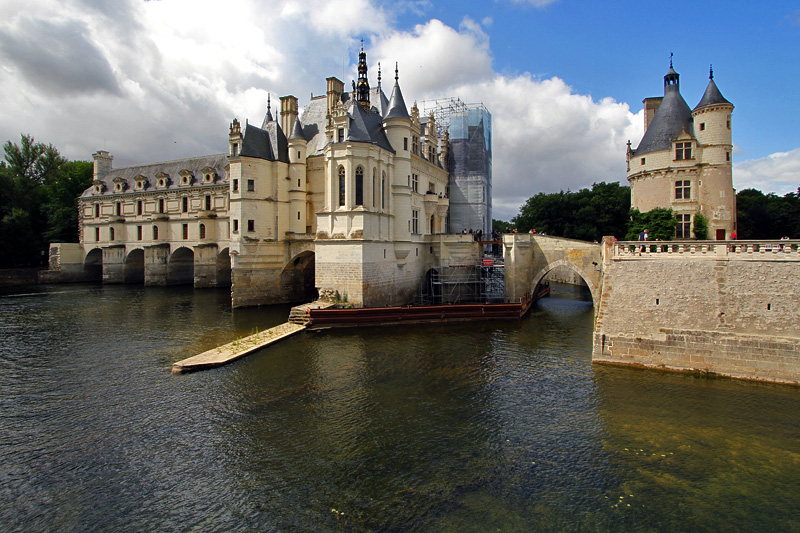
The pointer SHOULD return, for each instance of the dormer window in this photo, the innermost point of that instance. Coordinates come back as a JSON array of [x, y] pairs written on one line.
[[99, 186], [209, 175], [683, 150], [141, 182], [119, 184], [187, 177], [162, 180], [340, 135]]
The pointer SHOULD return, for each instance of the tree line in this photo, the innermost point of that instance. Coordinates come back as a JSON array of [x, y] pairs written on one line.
[[39, 192], [605, 209]]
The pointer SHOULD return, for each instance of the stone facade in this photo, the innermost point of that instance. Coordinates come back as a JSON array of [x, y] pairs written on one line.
[[350, 199], [719, 308], [683, 161]]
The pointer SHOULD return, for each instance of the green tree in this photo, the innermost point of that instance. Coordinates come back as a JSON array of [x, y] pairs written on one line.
[[587, 214], [660, 224], [700, 227], [501, 226]]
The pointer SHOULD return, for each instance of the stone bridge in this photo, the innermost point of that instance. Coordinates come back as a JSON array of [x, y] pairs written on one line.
[[528, 258]]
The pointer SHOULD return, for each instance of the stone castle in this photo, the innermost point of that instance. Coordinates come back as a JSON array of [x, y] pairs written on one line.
[[351, 200], [683, 161]]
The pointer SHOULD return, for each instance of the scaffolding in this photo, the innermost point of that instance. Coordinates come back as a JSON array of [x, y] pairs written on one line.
[[459, 284]]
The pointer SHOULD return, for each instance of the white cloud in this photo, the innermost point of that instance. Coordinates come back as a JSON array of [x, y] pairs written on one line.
[[778, 173]]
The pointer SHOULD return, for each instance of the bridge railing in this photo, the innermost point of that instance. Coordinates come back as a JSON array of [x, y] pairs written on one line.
[[761, 249]]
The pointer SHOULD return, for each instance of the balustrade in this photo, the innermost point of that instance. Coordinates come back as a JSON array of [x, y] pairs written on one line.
[[782, 249]]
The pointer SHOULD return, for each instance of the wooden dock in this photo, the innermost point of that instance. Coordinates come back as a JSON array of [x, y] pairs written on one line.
[[234, 350]]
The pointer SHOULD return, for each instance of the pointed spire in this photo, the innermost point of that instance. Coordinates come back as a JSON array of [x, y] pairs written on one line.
[[269, 110], [362, 89], [711, 72], [712, 95], [672, 78], [297, 131], [397, 105], [379, 74]]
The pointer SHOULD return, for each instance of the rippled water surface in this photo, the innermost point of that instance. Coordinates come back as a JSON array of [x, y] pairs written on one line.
[[486, 426]]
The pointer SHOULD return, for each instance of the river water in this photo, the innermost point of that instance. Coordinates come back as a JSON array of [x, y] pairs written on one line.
[[486, 426]]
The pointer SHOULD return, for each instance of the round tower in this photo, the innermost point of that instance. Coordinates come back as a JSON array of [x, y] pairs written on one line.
[[712, 125]]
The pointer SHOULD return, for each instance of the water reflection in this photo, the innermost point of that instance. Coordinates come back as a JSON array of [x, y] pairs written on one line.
[[459, 428]]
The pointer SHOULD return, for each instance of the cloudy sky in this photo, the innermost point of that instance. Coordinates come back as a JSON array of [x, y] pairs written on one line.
[[563, 79]]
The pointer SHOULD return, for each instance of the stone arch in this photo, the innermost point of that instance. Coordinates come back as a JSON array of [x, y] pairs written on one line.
[[537, 278], [298, 278], [133, 269], [180, 267], [224, 268], [93, 264]]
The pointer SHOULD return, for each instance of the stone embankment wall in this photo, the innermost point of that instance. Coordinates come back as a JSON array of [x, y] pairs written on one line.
[[18, 276], [726, 308]]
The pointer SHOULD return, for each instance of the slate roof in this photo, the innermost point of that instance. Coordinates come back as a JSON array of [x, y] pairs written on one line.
[[397, 105], [712, 96], [195, 164], [268, 143], [672, 117], [367, 127], [297, 131]]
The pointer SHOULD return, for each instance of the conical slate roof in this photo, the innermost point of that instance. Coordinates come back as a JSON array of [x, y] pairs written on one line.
[[672, 117], [297, 131], [397, 105], [712, 96]]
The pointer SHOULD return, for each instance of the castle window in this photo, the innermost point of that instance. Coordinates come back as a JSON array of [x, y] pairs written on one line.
[[432, 224], [415, 221], [683, 150], [298, 182], [251, 185], [643, 160], [683, 189], [405, 143], [119, 209], [202, 231], [414, 144], [139, 207], [340, 135], [374, 185], [110, 234], [359, 186], [138, 233], [185, 228], [185, 204], [415, 182], [729, 122], [702, 126], [383, 190], [208, 202], [160, 205], [298, 215], [97, 234], [341, 186], [235, 149], [251, 225], [727, 156], [155, 233], [235, 185], [235, 226], [96, 210], [684, 228]]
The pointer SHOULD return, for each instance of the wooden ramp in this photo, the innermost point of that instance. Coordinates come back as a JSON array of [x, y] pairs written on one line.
[[234, 350]]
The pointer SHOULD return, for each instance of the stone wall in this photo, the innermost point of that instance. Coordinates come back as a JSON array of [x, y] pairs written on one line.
[[707, 308]]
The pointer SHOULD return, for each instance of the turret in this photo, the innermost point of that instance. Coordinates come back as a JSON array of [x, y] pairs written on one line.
[[712, 124], [362, 88]]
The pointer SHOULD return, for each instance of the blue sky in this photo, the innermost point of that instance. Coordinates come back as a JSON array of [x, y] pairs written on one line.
[[563, 79]]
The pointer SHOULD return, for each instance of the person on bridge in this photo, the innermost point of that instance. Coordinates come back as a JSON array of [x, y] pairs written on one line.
[[642, 237]]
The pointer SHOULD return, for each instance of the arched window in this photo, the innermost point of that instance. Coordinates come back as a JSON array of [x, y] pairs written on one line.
[[341, 186], [374, 185], [155, 233], [359, 186], [383, 190], [202, 231], [110, 234]]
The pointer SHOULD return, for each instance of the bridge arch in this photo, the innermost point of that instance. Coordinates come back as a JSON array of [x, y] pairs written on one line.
[[93, 264], [224, 268], [298, 278], [539, 276], [180, 267], [133, 271]]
